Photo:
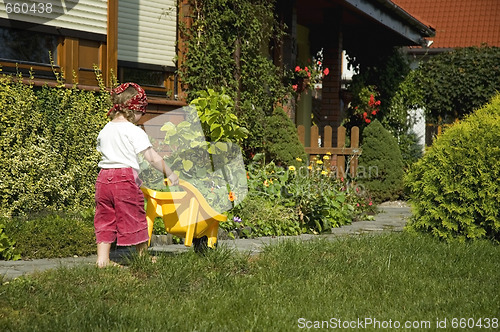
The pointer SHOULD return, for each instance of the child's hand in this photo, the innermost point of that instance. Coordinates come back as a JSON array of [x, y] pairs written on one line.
[[173, 178]]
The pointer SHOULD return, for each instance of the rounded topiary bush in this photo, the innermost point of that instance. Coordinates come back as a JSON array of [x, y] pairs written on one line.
[[282, 141], [380, 164], [455, 187]]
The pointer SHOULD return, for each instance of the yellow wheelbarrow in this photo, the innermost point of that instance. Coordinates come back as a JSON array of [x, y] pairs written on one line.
[[186, 214]]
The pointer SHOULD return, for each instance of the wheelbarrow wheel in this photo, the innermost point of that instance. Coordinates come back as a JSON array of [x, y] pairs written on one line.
[[200, 245]]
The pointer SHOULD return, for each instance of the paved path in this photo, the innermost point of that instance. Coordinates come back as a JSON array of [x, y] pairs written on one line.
[[392, 217]]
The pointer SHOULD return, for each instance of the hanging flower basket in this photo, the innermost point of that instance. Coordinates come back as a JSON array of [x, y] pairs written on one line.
[[309, 76]]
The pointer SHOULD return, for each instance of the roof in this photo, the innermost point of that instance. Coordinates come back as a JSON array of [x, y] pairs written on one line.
[[458, 23]]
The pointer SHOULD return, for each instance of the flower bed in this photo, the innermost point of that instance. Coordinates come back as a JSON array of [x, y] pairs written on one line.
[[298, 199]]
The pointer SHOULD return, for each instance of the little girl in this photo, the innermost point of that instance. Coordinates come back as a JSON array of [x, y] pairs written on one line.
[[120, 214]]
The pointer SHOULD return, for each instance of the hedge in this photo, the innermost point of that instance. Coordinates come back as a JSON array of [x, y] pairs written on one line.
[[48, 159]]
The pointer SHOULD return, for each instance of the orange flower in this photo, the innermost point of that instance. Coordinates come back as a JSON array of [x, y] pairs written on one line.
[[232, 196]]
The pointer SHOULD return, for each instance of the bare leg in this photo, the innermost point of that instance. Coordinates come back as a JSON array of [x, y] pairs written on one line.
[[103, 250], [142, 248]]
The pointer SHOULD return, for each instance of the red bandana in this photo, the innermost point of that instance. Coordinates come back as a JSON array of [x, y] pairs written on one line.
[[137, 103]]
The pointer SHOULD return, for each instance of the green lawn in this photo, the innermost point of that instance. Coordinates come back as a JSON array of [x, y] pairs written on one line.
[[389, 279]]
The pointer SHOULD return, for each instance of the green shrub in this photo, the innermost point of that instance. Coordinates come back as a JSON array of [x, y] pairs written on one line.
[[380, 164], [455, 188], [411, 149], [7, 246], [319, 201], [260, 216], [282, 141], [48, 159], [53, 235]]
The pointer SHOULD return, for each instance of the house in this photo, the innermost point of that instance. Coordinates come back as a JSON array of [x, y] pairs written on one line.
[[138, 40], [362, 27], [458, 23], [135, 40]]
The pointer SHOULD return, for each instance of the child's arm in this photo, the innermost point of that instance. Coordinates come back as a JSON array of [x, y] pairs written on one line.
[[157, 162]]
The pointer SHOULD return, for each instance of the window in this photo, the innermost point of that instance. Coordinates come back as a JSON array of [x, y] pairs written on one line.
[[27, 46], [142, 76]]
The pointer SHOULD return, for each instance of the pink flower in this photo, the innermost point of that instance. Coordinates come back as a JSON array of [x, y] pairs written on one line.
[[294, 87], [297, 69], [370, 203], [306, 69], [326, 71]]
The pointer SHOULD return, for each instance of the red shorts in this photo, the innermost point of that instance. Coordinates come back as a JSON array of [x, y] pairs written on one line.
[[119, 214]]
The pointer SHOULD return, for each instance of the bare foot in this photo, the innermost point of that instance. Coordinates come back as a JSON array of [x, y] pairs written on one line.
[[108, 264]]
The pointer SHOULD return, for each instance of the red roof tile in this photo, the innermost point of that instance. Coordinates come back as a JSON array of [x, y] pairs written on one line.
[[458, 23]]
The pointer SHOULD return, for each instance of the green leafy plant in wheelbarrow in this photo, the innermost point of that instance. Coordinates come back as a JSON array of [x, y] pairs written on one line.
[[200, 144]]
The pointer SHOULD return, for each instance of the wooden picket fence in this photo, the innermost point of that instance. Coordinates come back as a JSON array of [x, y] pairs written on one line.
[[337, 161]]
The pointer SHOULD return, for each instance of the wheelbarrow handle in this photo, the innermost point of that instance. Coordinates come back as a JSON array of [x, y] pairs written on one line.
[[168, 183]]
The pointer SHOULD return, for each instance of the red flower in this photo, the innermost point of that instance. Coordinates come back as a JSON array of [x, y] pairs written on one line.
[[294, 87], [377, 102], [368, 120], [297, 69], [306, 69], [374, 112], [372, 100], [365, 115], [326, 71], [319, 63]]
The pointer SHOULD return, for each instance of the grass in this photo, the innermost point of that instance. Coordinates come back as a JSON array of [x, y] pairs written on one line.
[[398, 277]]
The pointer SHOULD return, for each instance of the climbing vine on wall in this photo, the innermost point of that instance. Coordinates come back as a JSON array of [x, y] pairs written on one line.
[[456, 83], [228, 45]]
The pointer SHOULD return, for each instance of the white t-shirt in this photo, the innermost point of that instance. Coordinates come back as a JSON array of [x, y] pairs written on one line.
[[119, 143]]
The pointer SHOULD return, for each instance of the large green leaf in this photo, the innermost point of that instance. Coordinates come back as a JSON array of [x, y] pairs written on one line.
[[169, 129], [187, 164]]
